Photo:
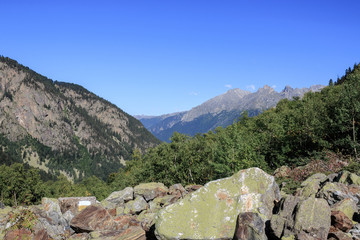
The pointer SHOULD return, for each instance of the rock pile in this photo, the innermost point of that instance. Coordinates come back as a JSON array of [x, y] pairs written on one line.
[[248, 205], [324, 207]]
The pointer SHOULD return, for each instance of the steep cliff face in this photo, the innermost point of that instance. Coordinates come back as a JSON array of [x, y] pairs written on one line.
[[65, 127]]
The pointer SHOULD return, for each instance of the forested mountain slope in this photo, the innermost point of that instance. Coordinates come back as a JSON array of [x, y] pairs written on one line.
[[62, 127]]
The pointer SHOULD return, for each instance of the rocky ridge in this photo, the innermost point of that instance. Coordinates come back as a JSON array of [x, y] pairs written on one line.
[[221, 110], [247, 205], [49, 121]]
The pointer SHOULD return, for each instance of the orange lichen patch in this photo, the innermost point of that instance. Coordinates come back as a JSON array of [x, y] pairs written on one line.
[[193, 225], [222, 195], [226, 229], [229, 201], [46, 207], [244, 190], [249, 203]]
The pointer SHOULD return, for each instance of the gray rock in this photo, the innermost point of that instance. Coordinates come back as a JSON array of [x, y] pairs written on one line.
[[68, 216], [150, 190], [118, 198], [250, 226], [283, 222], [313, 216], [334, 192], [136, 206]]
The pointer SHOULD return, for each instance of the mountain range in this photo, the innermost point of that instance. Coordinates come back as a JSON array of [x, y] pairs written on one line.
[[221, 110], [62, 127]]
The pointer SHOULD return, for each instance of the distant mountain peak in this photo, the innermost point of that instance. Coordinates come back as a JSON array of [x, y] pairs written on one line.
[[287, 89], [266, 88], [221, 110]]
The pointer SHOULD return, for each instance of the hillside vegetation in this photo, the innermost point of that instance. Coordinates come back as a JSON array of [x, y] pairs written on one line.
[[293, 133]]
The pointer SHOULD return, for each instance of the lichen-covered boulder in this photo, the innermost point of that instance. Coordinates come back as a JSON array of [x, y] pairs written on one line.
[[150, 190], [118, 198], [51, 205], [211, 212], [347, 206], [313, 217], [311, 185]]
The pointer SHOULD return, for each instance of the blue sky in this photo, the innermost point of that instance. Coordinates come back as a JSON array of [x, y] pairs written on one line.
[[154, 57]]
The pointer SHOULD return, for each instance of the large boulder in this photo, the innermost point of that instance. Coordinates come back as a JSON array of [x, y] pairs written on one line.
[[313, 217], [211, 212]]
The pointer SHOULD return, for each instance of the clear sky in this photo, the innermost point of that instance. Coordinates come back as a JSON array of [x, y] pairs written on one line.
[[154, 56]]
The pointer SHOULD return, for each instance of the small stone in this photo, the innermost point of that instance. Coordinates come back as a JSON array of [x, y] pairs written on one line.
[[250, 226], [118, 198], [339, 235], [92, 218], [283, 171], [347, 206], [136, 206], [192, 188], [75, 204], [340, 221], [150, 190], [18, 234]]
